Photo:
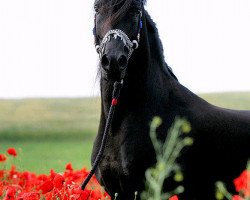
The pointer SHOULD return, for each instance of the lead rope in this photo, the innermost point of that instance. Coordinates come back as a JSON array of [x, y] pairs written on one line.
[[115, 97]]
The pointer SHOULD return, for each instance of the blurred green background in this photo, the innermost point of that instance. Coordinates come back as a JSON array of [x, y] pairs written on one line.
[[49, 133]]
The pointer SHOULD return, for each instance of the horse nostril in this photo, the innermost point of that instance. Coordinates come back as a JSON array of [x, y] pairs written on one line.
[[122, 61], [105, 61]]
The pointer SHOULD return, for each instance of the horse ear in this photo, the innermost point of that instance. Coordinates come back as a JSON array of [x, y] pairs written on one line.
[[144, 2]]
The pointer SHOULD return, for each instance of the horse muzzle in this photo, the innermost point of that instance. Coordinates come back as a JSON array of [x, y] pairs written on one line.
[[114, 60], [114, 65], [115, 51]]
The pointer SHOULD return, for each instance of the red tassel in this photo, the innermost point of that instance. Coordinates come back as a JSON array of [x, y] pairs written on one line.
[[114, 102]]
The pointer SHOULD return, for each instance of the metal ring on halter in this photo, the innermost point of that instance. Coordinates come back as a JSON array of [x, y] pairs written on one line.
[[97, 48], [135, 44]]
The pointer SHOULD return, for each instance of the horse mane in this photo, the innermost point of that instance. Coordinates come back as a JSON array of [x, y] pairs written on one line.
[[151, 26]]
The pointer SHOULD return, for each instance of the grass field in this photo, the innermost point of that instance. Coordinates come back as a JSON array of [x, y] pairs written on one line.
[[48, 133], [233, 100]]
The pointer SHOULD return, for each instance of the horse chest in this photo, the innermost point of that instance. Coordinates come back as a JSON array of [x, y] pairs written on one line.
[[123, 156], [118, 159]]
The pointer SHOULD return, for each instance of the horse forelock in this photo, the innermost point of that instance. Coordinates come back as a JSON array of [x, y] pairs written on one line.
[[114, 10]]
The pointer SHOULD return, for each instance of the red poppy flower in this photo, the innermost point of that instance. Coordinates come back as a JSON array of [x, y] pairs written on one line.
[[173, 197], [2, 157], [96, 195], [29, 196], [29, 186], [85, 194], [1, 174], [58, 181], [42, 177], [10, 193], [69, 167], [47, 186], [237, 197], [1, 188], [8, 198], [242, 183], [52, 173], [12, 152]]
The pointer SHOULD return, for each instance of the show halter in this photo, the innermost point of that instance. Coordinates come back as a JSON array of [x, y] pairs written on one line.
[[131, 45], [117, 33]]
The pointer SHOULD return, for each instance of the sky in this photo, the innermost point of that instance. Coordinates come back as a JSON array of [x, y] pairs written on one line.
[[46, 46]]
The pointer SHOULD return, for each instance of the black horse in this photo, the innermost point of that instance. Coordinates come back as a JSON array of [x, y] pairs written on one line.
[[130, 50]]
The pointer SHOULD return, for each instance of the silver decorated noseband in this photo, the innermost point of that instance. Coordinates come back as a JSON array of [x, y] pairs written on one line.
[[117, 34]]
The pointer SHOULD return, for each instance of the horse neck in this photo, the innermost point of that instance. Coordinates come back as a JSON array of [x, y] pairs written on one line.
[[148, 74]]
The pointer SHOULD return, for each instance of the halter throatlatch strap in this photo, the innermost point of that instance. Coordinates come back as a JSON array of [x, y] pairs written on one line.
[[115, 97]]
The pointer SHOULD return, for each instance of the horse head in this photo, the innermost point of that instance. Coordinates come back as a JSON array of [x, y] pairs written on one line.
[[117, 34]]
